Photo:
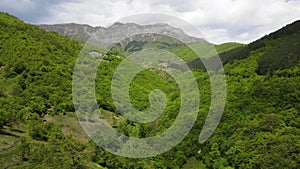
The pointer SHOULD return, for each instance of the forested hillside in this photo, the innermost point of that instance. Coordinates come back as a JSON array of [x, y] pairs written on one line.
[[260, 127], [35, 80], [36, 69]]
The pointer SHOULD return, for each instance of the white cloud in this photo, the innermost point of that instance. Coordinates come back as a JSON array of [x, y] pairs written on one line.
[[219, 20]]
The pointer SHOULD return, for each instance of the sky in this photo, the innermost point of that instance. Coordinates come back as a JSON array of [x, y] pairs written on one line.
[[219, 20]]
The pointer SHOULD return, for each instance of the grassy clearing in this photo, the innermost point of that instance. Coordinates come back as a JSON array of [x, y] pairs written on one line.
[[227, 46], [9, 137], [69, 125]]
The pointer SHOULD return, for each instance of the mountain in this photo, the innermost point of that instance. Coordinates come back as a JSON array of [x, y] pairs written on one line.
[[82, 33], [140, 37], [260, 127]]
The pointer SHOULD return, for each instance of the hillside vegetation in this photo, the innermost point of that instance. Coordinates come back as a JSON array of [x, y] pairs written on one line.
[[260, 127], [35, 80]]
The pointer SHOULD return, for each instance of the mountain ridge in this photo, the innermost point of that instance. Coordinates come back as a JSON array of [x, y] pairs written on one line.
[[78, 31]]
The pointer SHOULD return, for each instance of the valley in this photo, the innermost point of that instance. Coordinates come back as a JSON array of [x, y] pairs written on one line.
[[260, 127]]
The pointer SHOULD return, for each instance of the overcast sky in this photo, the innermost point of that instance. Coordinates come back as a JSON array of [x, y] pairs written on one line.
[[219, 20]]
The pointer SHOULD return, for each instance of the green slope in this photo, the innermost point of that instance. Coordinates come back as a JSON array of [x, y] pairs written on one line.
[[282, 51], [224, 47], [204, 49]]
